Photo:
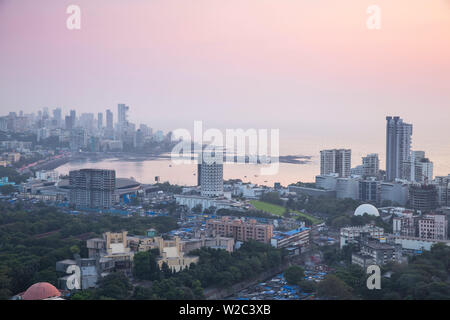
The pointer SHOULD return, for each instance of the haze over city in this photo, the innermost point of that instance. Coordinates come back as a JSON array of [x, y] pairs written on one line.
[[223, 155], [310, 68]]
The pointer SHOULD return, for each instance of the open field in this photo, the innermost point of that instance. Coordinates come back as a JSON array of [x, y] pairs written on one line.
[[279, 210]]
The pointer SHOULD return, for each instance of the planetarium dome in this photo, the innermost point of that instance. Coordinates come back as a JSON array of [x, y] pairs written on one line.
[[367, 208], [41, 291]]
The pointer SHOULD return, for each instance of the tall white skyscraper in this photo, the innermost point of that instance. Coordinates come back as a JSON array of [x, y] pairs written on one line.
[[336, 161], [398, 146], [211, 179]]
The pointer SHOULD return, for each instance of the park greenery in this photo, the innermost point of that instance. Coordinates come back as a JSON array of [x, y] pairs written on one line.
[[424, 277], [13, 175], [216, 268], [33, 240], [270, 203]]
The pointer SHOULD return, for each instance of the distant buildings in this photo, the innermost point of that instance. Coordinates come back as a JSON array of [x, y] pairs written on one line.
[[423, 197], [398, 146], [92, 188], [47, 175], [122, 117], [371, 165], [443, 189], [78, 139], [335, 161], [418, 168]]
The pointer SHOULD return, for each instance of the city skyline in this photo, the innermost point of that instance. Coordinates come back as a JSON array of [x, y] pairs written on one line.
[[174, 63]]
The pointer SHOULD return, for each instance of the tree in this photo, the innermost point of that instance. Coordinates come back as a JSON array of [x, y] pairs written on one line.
[[272, 197], [145, 265], [294, 275], [334, 288], [114, 286], [7, 189], [197, 209], [308, 286]]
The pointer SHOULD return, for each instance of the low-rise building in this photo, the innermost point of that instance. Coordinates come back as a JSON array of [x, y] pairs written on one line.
[[297, 237], [350, 235], [240, 229]]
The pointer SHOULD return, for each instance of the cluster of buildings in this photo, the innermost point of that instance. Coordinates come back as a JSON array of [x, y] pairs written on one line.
[[87, 131], [412, 234], [407, 181], [115, 252]]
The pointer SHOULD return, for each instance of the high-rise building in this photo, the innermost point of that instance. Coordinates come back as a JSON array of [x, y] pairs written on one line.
[[418, 168], [423, 197], [68, 122], [92, 188], [57, 116], [109, 131], [100, 120], [109, 120], [370, 190], [199, 174], [347, 188], [371, 165], [122, 117], [211, 179], [138, 139], [73, 115], [442, 184], [398, 146], [78, 139], [336, 161]]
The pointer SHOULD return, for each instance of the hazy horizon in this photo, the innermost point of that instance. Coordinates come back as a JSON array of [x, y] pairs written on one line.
[[309, 68]]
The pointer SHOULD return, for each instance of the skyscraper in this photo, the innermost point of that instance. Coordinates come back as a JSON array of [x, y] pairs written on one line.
[[92, 188], [418, 168], [211, 179], [122, 110], [398, 146], [371, 165], [99, 120], [109, 132], [109, 120], [73, 116], [336, 161]]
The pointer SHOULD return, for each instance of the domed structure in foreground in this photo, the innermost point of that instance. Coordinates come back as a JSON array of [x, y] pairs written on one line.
[[367, 208], [41, 291]]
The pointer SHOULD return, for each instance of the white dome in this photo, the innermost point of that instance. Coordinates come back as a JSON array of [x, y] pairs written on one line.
[[367, 208]]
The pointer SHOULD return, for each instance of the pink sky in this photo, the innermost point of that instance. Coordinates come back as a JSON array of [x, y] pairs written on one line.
[[310, 68]]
